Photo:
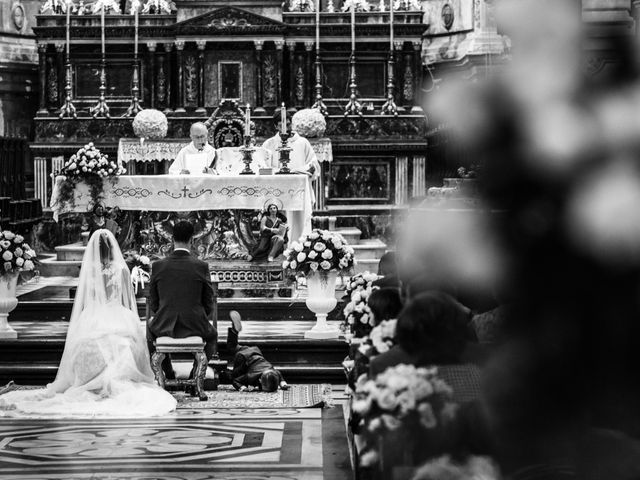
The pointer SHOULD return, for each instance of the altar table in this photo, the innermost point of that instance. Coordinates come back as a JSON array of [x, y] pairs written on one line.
[[186, 193]]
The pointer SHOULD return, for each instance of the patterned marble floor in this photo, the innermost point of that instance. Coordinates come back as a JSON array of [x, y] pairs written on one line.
[[251, 444]]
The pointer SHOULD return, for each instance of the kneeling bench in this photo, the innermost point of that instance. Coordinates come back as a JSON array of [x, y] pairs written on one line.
[[193, 345]]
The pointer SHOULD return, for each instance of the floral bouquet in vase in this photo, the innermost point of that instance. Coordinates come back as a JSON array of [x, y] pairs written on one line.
[[150, 123], [87, 165], [400, 413], [320, 256], [17, 256]]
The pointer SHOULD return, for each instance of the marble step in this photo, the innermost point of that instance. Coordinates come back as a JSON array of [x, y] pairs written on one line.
[[371, 249], [367, 265], [70, 252], [351, 235]]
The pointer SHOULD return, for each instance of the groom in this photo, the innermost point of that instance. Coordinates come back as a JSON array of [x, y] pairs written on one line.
[[181, 299]]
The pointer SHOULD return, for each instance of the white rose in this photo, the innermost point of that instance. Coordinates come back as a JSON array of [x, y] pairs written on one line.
[[285, 264], [386, 399], [356, 296], [5, 244], [319, 247], [301, 257], [307, 244], [18, 251], [286, 253], [297, 246], [314, 266], [364, 318], [19, 239], [337, 243], [84, 169], [314, 236], [312, 255], [325, 265], [9, 235], [19, 262], [28, 265], [327, 254], [7, 256], [293, 264], [73, 166], [144, 260]]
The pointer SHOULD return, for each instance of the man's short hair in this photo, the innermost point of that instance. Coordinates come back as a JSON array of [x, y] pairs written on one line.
[[269, 380], [182, 231]]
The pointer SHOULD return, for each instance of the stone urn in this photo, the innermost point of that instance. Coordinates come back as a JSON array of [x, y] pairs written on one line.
[[321, 300], [8, 302]]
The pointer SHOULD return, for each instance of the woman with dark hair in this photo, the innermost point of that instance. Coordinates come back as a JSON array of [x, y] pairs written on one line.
[[385, 304], [273, 234], [432, 329]]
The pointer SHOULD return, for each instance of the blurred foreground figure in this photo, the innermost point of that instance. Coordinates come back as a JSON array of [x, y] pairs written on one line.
[[563, 244]]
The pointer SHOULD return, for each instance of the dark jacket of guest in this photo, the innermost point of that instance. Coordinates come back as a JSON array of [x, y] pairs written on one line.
[[248, 362], [181, 297]]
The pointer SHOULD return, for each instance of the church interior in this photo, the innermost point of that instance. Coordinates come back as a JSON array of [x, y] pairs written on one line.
[[420, 216]]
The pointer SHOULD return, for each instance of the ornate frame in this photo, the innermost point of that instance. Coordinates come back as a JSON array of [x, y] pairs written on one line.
[[240, 87]]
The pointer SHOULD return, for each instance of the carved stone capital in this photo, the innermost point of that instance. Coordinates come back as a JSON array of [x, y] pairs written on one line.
[[201, 44], [398, 44], [279, 44], [42, 47], [60, 46], [180, 45], [417, 44], [258, 44], [291, 44], [308, 46], [168, 46], [151, 46]]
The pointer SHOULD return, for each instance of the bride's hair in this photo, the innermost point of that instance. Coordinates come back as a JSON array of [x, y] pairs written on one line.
[[106, 255]]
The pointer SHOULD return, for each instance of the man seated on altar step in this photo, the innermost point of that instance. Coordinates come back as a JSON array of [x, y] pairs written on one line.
[[302, 157], [197, 157], [250, 368]]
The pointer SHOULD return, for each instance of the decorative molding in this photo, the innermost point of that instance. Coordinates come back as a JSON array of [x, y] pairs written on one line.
[[191, 85], [309, 45], [402, 180], [279, 44], [180, 45], [151, 46], [229, 20], [259, 44], [419, 176], [300, 84], [201, 44], [60, 46]]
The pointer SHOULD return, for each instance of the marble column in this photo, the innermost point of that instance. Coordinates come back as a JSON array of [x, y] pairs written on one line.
[[398, 77], [60, 72], [419, 176], [259, 108], [402, 180], [169, 95], [279, 56], [42, 65], [180, 94], [151, 62], [202, 44], [309, 74]]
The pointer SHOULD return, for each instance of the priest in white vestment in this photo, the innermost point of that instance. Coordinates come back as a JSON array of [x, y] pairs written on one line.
[[302, 157], [197, 157]]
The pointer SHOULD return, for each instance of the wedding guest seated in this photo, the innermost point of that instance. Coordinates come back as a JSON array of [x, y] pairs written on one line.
[[273, 234], [388, 269], [432, 330], [250, 368]]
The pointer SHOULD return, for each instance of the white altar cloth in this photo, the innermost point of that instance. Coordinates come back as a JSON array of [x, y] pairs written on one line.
[[185, 193]]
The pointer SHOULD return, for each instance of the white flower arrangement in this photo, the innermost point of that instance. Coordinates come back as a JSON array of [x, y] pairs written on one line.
[[473, 468], [358, 5], [107, 5], [54, 6], [320, 251], [402, 398], [16, 254], [301, 6], [150, 123], [140, 267], [90, 161], [158, 6], [358, 317], [408, 5], [309, 123]]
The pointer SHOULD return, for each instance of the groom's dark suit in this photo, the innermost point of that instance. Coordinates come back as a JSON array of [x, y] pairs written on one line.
[[181, 300]]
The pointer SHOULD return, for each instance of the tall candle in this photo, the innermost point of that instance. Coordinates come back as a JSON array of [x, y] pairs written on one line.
[[247, 121], [391, 24], [68, 25], [318, 25], [353, 28], [135, 40], [283, 116], [102, 23]]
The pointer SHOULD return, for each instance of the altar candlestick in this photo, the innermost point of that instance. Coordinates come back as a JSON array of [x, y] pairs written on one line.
[[318, 25], [102, 23], [283, 116], [353, 28], [247, 121]]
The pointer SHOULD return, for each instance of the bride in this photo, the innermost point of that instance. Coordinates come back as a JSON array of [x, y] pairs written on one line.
[[105, 368]]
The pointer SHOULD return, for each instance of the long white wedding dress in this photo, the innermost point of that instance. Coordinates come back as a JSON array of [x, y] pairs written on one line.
[[105, 368]]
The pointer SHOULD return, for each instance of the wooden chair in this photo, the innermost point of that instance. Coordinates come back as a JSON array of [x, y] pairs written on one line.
[[192, 345]]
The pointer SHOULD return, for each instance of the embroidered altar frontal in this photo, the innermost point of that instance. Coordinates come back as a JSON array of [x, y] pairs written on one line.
[[184, 193]]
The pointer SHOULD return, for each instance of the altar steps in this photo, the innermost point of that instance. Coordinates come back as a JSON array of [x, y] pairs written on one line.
[[33, 358]]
